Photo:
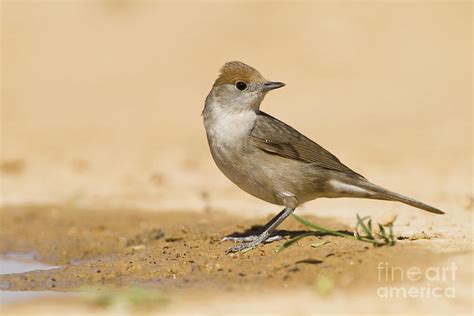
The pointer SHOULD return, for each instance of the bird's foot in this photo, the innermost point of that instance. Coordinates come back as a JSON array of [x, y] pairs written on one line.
[[249, 242], [252, 238]]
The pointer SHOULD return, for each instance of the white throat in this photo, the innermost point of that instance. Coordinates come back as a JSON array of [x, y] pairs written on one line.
[[225, 126]]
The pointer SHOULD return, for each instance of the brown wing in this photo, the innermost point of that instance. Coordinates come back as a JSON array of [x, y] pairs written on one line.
[[274, 136]]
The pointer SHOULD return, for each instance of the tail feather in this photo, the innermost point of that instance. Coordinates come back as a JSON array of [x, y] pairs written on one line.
[[379, 193]]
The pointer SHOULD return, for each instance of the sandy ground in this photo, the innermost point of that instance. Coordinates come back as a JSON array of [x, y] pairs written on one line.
[[181, 256], [103, 149]]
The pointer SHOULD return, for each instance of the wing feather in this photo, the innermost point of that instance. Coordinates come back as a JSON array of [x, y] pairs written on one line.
[[276, 137]]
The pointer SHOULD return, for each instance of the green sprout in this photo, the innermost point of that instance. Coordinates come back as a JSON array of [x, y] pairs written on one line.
[[365, 224], [129, 298]]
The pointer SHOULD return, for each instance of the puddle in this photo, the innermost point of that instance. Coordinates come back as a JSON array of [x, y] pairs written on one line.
[[8, 297], [19, 263]]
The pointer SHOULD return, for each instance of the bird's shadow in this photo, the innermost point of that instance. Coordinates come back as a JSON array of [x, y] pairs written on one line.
[[258, 229]]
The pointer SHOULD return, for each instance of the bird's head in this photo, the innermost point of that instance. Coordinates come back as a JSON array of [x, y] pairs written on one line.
[[239, 87]]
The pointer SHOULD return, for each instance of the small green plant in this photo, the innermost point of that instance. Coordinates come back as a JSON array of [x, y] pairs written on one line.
[[364, 224], [324, 285], [130, 298], [384, 238]]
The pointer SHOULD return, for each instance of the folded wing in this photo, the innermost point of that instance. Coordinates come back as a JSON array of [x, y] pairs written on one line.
[[276, 137]]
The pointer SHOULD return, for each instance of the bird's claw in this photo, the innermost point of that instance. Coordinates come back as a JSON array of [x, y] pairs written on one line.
[[252, 238], [242, 248], [249, 242]]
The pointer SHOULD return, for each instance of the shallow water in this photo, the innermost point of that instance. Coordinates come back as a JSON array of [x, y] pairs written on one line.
[[19, 263], [7, 297]]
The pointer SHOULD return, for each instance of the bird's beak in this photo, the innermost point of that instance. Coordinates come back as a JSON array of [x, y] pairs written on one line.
[[267, 86]]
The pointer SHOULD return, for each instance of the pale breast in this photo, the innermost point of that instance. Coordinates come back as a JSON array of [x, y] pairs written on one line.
[[228, 137], [229, 129]]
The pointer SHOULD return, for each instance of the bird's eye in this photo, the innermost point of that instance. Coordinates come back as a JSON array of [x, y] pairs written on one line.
[[240, 85]]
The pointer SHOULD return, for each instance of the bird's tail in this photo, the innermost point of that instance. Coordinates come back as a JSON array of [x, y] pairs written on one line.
[[379, 193]]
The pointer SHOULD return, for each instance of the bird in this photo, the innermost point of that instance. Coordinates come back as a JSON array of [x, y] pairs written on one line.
[[271, 160]]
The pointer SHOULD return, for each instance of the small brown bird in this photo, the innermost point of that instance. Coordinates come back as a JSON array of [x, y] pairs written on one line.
[[271, 160]]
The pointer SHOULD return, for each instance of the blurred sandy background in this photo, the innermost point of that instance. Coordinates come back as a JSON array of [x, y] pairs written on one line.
[[101, 100]]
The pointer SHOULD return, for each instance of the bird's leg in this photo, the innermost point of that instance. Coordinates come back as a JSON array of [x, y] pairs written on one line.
[[255, 240], [254, 237]]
